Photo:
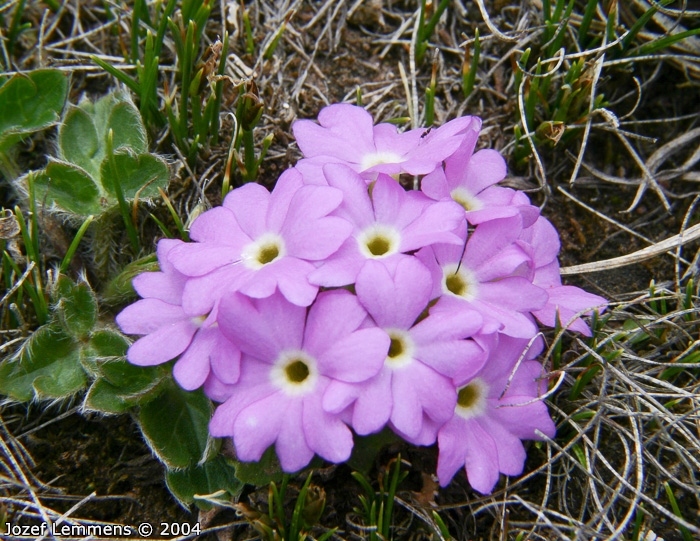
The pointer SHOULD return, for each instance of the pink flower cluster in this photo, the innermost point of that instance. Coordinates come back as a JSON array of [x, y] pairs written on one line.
[[342, 301]]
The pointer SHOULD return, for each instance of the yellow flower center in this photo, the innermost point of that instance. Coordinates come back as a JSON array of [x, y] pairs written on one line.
[[378, 241], [471, 399], [465, 198], [264, 250], [401, 349], [459, 282], [295, 373]]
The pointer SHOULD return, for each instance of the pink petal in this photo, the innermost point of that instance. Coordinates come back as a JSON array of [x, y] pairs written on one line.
[[515, 293], [451, 445], [325, 433], [511, 453], [372, 409], [485, 168], [149, 315], [293, 281], [162, 345], [334, 315], [262, 328], [394, 299], [406, 413], [192, 368], [166, 287], [218, 226], [438, 223], [201, 293], [356, 357], [341, 268], [490, 238], [387, 199], [249, 204], [523, 421], [198, 259], [435, 185], [307, 231], [481, 458], [345, 132], [225, 360], [252, 386], [286, 187], [258, 425], [292, 449], [356, 206]]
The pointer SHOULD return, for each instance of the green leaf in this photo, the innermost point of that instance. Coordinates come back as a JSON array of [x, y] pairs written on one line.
[[108, 344], [260, 473], [66, 378], [129, 132], [134, 386], [175, 425], [47, 365], [131, 381], [367, 448], [144, 172], [78, 142], [31, 102], [212, 477], [68, 187], [120, 290], [77, 307], [104, 398]]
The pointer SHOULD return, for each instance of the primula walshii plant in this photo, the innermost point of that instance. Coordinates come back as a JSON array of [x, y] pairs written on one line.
[[342, 303]]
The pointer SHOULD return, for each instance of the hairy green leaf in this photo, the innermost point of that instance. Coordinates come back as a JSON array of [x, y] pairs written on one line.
[[212, 477], [47, 366], [129, 132], [142, 174], [77, 307], [31, 102], [78, 142], [68, 187], [175, 425]]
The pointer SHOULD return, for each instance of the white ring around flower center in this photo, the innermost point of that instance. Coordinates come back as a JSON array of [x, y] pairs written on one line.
[[377, 158], [267, 248], [294, 372], [460, 283], [379, 241], [401, 349], [471, 399], [467, 199]]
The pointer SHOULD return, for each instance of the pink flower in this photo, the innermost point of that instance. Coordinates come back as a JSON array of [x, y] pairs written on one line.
[[170, 330], [260, 242], [386, 224], [414, 383], [542, 240], [468, 178], [496, 409], [489, 275], [289, 361], [346, 134]]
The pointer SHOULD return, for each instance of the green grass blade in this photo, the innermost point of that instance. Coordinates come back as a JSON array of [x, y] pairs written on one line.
[[74, 245], [586, 21], [119, 75], [687, 536], [640, 24], [661, 43], [469, 70], [123, 206]]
